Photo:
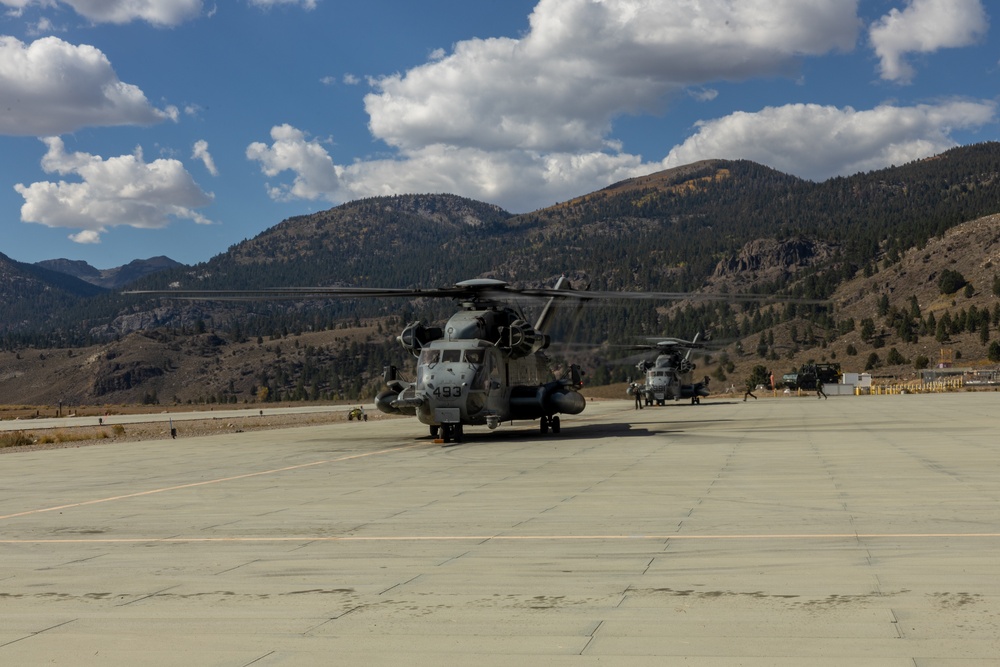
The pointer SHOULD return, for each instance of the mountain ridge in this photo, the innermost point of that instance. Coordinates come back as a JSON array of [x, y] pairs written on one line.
[[716, 225], [113, 278]]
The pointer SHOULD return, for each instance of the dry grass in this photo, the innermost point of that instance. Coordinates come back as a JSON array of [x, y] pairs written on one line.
[[77, 436], [16, 439], [59, 437]]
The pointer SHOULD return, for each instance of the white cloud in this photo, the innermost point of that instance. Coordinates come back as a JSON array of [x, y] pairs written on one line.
[[583, 63], [346, 79], [163, 13], [818, 142], [703, 94], [123, 190], [316, 177], [85, 237], [518, 180], [200, 152], [171, 112], [925, 26], [17, 7], [52, 87], [42, 27]]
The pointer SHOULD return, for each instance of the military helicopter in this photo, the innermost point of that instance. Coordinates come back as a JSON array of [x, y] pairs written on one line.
[[665, 376], [486, 366]]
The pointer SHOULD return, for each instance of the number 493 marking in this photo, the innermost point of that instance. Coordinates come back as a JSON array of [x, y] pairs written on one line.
[[447, 392]]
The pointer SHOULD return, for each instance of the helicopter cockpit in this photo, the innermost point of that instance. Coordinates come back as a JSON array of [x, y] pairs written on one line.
[[433, 356], [454, 381]]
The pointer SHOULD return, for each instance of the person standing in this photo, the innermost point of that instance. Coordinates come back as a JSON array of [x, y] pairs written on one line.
[[749, 391], [637, 392]]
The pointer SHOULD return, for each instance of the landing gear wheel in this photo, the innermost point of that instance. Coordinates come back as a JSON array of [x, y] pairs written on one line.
[[554, 422], [543, 425], [451, 433], [434, 431]]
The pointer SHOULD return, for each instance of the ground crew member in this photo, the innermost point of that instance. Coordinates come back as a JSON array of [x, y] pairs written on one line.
[[638, 396]]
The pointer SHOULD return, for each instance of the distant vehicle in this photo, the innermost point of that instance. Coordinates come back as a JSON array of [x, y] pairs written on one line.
[[790, 380], [358, 414], [810, 375]]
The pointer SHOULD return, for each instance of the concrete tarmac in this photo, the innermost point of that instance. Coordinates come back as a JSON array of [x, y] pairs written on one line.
[[783, 531], [165, 417]]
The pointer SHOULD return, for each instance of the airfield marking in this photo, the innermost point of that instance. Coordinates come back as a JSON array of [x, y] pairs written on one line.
[[487, 538], [210, 481]]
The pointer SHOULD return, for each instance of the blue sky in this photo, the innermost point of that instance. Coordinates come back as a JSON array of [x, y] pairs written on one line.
[[136, 128]]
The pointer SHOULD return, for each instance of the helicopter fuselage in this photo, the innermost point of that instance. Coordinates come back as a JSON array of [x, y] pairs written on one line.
[[665, 380]]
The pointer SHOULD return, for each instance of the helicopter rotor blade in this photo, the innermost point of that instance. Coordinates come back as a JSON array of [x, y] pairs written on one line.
[[475, 290]]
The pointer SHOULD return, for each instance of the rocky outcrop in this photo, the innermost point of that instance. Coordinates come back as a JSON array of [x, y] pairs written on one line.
[[114, 377], [771, 256]]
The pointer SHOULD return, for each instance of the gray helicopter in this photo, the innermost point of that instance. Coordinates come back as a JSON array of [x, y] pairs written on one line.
[[668, 376], [486, 366]]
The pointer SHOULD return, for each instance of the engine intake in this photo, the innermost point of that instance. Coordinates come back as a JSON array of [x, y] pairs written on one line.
[[524, 339], [416, 336]]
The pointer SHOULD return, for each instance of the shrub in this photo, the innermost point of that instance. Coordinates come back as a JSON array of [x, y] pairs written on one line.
[[867, 329], [951, 281], [15, 439], [895, 358], [872, 361]]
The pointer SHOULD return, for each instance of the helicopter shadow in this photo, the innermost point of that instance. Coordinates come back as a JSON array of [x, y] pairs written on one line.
[[683, 416], [686, 405], [574, 432]]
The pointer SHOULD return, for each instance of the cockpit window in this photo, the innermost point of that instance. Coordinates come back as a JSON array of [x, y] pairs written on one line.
[[451, 356], [474, 356], [429, 357]]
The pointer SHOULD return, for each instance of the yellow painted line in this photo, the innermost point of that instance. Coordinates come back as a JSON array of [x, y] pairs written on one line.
[[484, 538], [207, 482]]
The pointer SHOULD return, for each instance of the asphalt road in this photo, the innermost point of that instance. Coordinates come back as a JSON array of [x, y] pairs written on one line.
[[790, 531]]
